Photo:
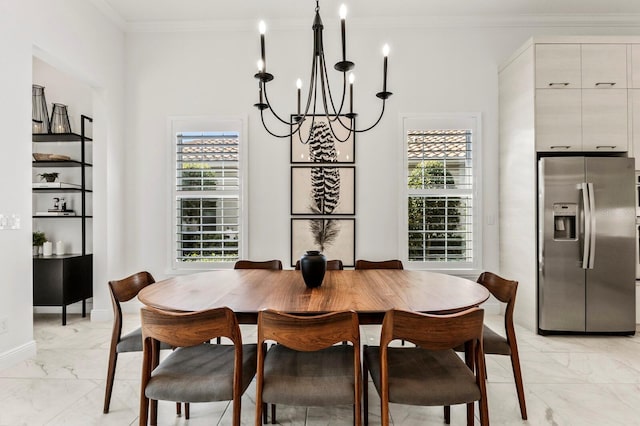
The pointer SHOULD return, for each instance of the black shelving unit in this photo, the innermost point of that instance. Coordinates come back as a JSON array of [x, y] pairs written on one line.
[[60, 280]]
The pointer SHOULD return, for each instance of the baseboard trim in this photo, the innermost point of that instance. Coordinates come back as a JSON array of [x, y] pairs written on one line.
[[12, 357]]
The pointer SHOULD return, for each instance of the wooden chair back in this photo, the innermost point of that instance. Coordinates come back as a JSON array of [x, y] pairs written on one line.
[[308, 333], [332, 265], [433, 332], [383, 264], [502, 289], [180, 329], [274, 264], [122, 291]]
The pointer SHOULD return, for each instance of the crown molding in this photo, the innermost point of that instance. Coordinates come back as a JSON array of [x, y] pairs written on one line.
[[412, 22], [111, 14]]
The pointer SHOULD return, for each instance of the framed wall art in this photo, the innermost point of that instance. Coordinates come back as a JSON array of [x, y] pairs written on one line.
[[323, 190], [335, 238], [321, 146]]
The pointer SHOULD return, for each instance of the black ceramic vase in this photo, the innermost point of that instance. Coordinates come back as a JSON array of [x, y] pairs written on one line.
[[313, 265]]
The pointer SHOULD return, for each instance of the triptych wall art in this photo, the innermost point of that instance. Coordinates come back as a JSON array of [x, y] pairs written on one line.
[[323, 190]]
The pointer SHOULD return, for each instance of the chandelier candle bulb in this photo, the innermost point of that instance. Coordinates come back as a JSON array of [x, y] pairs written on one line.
[[262, 27], [299, 86], [352, 78], [385, 52], [343, 17]]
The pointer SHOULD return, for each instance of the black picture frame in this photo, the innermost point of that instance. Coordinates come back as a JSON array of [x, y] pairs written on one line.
[[342, 245], [335, 194], [345, 152]]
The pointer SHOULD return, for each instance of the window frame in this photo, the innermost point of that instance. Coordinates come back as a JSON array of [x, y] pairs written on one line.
[[178, 124], [444, 121]]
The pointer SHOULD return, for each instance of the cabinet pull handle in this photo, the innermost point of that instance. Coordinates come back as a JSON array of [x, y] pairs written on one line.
[[560, 146], [606, 84], [605, 146], [558, 84]]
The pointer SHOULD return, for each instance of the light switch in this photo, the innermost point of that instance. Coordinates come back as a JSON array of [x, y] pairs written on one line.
[[9, 222]]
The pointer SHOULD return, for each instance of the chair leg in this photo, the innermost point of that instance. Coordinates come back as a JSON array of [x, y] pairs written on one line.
[[186, 410], [365, 393], [273, 414], [265, 408], [143, 415], [517, 375], [178, 409], [111, 372], [154, 412], [447, 414], [470, 418]]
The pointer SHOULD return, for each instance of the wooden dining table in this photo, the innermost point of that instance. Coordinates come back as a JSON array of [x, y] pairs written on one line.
[[370, 293]]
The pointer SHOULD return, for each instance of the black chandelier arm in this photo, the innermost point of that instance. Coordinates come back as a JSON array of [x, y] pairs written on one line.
[[298, 125], [374, 124], [324, 81], [266, 98]]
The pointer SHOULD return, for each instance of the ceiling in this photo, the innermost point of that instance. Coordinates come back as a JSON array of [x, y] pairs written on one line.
[[146, 11]]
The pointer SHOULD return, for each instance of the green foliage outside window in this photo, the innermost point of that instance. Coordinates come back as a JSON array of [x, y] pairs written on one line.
[[434, 220]]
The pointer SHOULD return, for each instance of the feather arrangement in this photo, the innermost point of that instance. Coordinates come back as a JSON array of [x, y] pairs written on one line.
[[325, 181], [325, 184], [324, 232]]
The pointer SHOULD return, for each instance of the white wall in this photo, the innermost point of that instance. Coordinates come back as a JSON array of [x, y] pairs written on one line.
[[74, 37]]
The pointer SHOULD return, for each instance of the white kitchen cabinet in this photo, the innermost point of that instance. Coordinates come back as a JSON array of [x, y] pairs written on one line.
[[604, 120], [558, 66], [558, 120], [635, 66], [604, 66]]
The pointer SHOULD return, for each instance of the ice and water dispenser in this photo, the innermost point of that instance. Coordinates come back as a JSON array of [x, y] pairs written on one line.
[[565, 216]]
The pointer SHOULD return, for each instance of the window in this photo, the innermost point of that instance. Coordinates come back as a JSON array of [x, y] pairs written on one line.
[[208, 200], [439, 177]]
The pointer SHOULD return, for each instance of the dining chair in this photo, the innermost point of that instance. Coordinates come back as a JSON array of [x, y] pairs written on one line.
[[494, 344], [382, 264], [122, 291], [431, 373], [332, 265], [196, 371], [305, 367], [274, 264]]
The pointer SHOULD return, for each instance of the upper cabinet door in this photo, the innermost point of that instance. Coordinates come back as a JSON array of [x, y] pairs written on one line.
[[604, 66], [558, 66], [635, 66]]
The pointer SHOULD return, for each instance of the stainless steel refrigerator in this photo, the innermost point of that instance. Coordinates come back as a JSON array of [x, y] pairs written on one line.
[[586, 247]]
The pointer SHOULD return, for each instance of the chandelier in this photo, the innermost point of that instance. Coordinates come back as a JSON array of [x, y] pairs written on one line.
[[340, 121]]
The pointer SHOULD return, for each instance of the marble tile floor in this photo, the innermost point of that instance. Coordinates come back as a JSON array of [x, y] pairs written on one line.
[[568, 381]]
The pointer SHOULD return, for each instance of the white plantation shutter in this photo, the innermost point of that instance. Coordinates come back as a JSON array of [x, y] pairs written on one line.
[[440, 193], [207, 197]]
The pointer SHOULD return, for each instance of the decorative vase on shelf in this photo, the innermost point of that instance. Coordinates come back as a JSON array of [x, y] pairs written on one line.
[[60, 119], [313, 265], [39, 110]]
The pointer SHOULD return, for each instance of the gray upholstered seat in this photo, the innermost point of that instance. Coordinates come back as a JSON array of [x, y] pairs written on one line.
[[495, 343], [132, 342], [319, 378], [200, 373], [421, 377]]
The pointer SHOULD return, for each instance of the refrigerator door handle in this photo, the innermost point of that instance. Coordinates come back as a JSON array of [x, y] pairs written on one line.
[[587, 225], [592, 217]]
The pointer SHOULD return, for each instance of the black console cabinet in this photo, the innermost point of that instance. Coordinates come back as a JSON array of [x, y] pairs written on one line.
[[62, 280]]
